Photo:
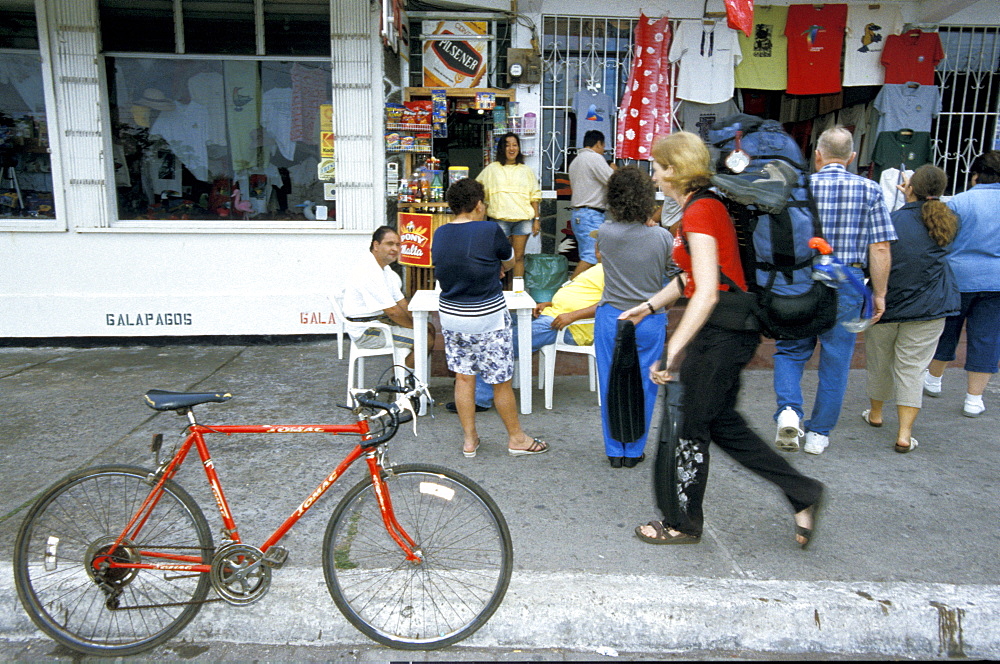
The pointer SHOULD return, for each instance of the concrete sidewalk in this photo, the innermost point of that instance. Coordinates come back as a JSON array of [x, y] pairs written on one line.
[[904, 564]]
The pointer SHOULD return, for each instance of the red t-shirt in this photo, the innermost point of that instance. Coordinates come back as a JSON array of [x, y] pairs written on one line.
[[815, 43], [709, 216], [912, 56]]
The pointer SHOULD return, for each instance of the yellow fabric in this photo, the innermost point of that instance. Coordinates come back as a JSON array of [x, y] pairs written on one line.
[[765, 54], [580, 293], [510, 191]]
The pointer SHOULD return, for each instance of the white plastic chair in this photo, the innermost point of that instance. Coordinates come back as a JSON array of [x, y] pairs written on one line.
[[547, 366], [357, 355]]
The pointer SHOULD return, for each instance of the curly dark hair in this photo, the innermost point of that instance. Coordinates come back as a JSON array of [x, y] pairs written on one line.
[[986, 167], [501, 154], [464, 195], [631, 195]]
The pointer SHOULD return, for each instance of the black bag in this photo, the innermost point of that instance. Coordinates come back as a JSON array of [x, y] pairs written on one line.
[[774, 238], [671, 460], [736, 309], [626, 398]]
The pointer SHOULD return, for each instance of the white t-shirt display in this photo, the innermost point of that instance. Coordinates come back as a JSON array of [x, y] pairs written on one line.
[[867, 28], [369, 291], [708, 53]]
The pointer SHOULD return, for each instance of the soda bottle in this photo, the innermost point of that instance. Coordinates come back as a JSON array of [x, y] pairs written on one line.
[[403, 192], [437, 191]]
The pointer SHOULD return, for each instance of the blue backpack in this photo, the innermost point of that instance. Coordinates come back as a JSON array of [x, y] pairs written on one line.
[[775, 217]]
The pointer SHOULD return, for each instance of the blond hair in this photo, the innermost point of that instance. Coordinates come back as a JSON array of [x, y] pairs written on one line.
[[687, 153]]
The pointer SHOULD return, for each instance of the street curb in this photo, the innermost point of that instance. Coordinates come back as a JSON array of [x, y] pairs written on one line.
[[639, 614]]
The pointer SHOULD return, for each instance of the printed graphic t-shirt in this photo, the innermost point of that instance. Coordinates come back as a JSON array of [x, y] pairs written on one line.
[[594, 111], [815, 42], [765, 51], [868, 26], [912, 56]]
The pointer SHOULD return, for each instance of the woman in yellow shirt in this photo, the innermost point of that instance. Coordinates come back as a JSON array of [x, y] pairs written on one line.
[[512, 196]]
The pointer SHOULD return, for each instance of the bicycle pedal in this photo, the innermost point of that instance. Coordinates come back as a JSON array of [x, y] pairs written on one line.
[[276, 557]]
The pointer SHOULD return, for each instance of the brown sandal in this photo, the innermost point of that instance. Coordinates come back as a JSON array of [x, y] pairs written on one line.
[[538, 446], [663, 537]]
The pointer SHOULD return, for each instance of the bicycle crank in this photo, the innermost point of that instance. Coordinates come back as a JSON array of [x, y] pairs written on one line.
[[240, 574]]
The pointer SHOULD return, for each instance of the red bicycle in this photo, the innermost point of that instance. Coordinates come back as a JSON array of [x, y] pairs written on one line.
[[115, 560]]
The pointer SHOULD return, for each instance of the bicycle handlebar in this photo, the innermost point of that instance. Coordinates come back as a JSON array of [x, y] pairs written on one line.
[[398, 414]]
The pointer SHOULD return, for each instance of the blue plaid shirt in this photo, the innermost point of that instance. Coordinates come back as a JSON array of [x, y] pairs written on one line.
[[852, 212]]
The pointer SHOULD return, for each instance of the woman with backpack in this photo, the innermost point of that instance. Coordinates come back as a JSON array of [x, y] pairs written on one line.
[[706, 251], [922, 292]]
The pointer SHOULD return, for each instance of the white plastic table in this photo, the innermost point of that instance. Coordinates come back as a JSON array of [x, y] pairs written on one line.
[[425, 301]]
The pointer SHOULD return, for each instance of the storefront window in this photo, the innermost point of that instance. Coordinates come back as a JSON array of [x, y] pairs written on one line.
[[25, 165], [211, 139]]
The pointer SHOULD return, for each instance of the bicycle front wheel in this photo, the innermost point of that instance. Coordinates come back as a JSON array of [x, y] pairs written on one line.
[[466, 563], [111, 611]]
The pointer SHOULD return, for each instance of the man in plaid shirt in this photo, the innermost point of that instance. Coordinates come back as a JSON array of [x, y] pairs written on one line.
[[856, 223]]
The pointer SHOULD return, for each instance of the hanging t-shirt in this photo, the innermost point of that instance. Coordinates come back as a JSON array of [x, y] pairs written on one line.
[[708, 53], [699, 118], [815, 42], [912, 149], [867, 29], [912, 56], [594, 111], [855, 120], [910, 106], [765, 51]]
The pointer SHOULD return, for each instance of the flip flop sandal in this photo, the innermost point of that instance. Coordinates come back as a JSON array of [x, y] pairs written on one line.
[[538, 446], [864, 416], [472, 454], [810, 533], [663, 537], [903, 449]]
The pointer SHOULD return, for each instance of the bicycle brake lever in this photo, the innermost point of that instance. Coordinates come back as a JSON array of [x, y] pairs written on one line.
[[406, 412]]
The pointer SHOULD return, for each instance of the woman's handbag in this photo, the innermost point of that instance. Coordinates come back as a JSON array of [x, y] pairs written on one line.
[[626, 399], [673, 467]]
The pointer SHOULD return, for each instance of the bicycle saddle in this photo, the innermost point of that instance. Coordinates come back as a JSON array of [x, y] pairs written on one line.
[[164, 400]]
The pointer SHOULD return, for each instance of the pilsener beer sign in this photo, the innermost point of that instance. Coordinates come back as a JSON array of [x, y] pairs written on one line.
[[454, 63]]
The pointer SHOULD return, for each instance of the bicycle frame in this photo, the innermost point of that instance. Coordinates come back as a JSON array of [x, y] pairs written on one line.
[[195, 437]]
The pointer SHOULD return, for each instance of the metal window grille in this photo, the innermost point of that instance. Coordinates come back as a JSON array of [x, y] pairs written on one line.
[[969, 81], [580, 53]]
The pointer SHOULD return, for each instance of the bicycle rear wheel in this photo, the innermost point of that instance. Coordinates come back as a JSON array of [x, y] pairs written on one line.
[[115, 611], [466, 566]]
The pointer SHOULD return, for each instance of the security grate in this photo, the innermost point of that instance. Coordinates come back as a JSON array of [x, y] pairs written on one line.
[[580, 53], [969, 81]]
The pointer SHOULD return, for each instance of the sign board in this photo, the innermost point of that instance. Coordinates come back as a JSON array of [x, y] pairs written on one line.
[[454, 63], [415, 239]]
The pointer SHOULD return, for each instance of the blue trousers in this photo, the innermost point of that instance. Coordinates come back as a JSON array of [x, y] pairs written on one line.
[[836, 351], [649, 337], [542, 334]]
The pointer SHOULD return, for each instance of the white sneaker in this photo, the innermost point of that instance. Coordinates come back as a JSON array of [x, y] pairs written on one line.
[[973, 409], [787, 438], [815, 442], [932, 384]]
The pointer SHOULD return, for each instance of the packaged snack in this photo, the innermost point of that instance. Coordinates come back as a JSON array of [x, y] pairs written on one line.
[[406, 141], [394, 113], [422, 140], [392, 140]]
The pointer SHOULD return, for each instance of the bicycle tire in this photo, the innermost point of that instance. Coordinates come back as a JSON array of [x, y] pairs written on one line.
[[466, 567], [84, 512]]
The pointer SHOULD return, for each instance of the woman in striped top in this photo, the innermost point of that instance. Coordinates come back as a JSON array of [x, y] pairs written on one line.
[[470, 255]]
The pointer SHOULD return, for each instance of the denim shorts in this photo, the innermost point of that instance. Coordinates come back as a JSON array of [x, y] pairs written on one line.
[[516, 227], [583, 221], [980, 314]]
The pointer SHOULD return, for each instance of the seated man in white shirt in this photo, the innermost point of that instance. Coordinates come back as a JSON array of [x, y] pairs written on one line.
[[373, 292]]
